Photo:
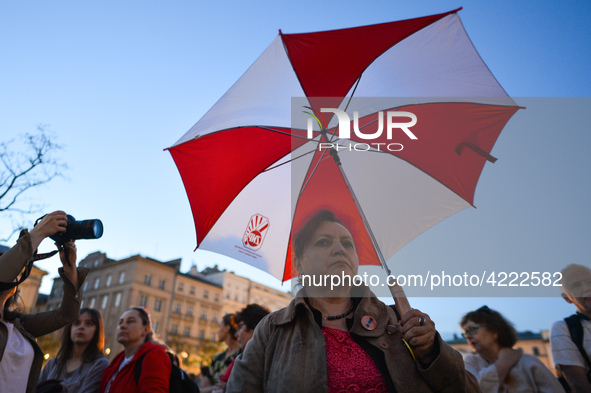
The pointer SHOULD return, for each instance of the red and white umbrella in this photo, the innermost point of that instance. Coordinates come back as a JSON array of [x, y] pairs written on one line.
[[258, 163]]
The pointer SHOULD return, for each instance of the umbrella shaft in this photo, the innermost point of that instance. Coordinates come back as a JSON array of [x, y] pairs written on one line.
[[396, 290]]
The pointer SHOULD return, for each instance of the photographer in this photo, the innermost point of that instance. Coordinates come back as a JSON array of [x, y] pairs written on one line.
[[21, 357]]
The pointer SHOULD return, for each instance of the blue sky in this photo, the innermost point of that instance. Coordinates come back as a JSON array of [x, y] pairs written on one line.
[[120, 81]]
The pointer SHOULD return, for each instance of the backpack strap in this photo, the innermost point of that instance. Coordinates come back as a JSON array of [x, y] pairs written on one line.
[[137, 370], [575, 327]]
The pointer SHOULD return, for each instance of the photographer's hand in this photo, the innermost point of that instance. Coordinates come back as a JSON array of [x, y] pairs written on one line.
[[50, 224], [68, 258]]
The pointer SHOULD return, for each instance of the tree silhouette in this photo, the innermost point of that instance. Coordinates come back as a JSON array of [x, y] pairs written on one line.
[[26, 162]]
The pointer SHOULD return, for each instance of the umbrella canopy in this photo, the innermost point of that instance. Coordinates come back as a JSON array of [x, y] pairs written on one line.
[[262, 159]]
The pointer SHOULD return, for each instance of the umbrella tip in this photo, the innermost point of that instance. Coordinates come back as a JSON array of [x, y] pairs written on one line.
[[280, 32]]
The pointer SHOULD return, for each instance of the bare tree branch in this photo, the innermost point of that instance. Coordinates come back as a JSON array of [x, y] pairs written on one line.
[[27, 162]]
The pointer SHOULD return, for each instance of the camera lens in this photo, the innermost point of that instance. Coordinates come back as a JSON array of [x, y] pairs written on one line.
[[98, 228]]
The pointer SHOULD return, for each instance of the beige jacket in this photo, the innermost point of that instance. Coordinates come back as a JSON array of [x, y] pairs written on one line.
[[36, 325], [288, 354]]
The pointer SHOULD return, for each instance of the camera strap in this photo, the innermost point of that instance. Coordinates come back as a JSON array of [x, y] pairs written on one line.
[[4, 286]]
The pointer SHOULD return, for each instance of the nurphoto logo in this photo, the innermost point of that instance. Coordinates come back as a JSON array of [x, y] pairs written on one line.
[[344, 130]]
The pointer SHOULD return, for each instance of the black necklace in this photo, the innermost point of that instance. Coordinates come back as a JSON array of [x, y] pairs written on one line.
[[340, 316]]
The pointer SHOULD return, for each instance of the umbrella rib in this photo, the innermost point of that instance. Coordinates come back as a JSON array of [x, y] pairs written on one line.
[[280, 132], [353, 92], [288, 161], [397, 291], [322, 157]]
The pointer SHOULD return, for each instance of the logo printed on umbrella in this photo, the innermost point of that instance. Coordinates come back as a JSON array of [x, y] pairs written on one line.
[[256, 230]]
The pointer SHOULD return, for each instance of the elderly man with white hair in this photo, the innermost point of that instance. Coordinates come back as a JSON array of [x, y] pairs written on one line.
[[572, 359]]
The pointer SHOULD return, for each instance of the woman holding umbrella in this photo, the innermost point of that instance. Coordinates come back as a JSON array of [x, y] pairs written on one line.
[[344, 338], [499, 367]]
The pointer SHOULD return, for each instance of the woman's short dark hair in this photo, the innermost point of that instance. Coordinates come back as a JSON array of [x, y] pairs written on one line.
[[305, 234], [251, 315], [94, 349], [230, 320], [495, 322]]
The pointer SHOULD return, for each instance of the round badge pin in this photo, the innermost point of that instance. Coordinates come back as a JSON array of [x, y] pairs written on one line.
[[368, 322]]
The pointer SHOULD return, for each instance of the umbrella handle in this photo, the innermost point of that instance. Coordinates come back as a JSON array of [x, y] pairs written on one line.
[[402, 304]]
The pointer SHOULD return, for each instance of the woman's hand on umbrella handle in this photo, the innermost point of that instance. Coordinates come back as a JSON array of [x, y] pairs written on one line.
[[419, 332]]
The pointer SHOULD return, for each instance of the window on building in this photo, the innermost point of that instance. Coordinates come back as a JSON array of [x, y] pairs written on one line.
[[105, 302], [158, 305], [143, 301], [201, 334], [82, 303], [84, 287], [96, 262], [206, 294], [109, 278], [213, 337], [118, 300], [155, 326], [174, 329], [214, 317], [177, 308], [236, 297], [161, 284], [192, 290], [204, 315], [217, 297], [227, 296], [536, 351], [189, 311], [91, 302], [187, 332], [181, 286], [148, 279], [97, 283], [121, 277]]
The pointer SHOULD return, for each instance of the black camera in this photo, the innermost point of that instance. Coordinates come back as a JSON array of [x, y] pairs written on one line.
[[85, 229]]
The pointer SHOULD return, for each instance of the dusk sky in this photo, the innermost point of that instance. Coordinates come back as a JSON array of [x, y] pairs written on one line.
[[119, 82]]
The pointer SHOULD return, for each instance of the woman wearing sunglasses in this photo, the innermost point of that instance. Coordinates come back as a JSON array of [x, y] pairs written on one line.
[[497, 366]]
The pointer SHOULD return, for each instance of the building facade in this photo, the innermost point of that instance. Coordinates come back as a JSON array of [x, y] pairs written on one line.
[[239, 291], [29, 289], [185, 308]]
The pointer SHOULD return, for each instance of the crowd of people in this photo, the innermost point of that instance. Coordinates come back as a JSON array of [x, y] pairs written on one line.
[[341, 340]]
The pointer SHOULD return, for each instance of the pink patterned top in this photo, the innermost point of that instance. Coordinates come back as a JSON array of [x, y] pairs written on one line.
[[350, 368]]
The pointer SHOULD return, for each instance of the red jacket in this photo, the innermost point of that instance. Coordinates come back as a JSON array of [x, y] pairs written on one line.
[[155, 376]]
